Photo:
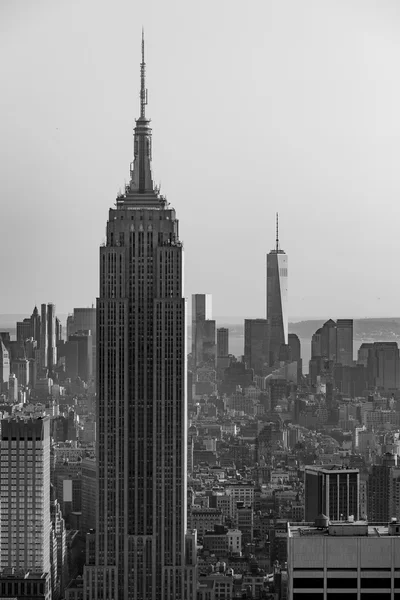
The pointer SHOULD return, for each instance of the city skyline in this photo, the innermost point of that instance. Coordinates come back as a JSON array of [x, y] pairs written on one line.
[[150, 450], [75, 128]]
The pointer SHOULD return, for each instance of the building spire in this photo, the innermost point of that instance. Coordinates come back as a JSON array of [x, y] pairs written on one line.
[[141, 176], [143, 90], [277, 232]]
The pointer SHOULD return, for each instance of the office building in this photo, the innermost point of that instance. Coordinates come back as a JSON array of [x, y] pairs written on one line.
[[12, 389], [58, 331], [316, 351], [59, 560], [20, 368], [295, 353], [79, 355], [222, 341], [44, 341], [4, 365], [332, 344], [339, 560], [382, 492], [295, 346], [48, 336], [29, 327], [350, 381], [363, 353], [89, 496], [256, 345], [332, 491], [329, 340], [25, 525], [51, 336], [209, 346], [141, 396], [204, 349], [344, 342], [21, 585], [24, 330], [384, 366], [84, 319], [277, 298]]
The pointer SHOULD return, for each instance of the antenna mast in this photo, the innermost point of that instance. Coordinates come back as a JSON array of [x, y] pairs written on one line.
[[277, 232], [143, 90]]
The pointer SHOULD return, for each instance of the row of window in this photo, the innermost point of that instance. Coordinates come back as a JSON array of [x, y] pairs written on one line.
[[345, 583]]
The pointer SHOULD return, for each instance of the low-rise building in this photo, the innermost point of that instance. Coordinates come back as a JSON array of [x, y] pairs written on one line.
[[204, 519]]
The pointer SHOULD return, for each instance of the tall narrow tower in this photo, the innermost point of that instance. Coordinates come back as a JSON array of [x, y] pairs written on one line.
[[277, 296], [141, 387]]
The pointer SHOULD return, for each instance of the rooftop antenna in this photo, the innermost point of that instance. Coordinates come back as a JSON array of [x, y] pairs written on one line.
[[277, 232], [143, 90]]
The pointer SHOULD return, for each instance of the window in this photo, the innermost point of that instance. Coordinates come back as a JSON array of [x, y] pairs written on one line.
[[341, 582], [376, 583], [308, 582]]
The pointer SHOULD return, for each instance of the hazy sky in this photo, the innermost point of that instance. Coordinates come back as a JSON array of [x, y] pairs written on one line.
[[256, 107]]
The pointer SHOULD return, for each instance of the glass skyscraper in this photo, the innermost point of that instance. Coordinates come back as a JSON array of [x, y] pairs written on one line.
[[277, 297]]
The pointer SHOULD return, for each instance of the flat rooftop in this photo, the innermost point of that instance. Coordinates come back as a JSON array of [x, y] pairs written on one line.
[[330, 469], [344, 529]]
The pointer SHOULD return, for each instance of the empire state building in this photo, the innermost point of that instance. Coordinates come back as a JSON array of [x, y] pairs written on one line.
[[143, 551]]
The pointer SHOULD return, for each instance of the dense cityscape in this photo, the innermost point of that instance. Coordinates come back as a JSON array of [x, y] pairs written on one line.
[[136, 466]]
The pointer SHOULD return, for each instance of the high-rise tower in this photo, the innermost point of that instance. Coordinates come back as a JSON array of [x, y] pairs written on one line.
[[256, 345], [25, 501], [277, 296], [344, 342], [203, 331], [141, 389], [48, 349]]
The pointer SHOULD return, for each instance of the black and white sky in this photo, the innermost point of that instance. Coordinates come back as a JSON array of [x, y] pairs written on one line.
[[256, 107]]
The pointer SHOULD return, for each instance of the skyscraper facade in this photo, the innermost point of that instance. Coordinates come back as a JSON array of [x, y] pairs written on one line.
[[277, 298], [203, 331], [382, 502], [48, 337], [344, 342], [44, 340], [329, 341], [29, 327], [52, 335], [4, 365], [295, 353], [256, 345], [141, 386], [333, 491], [384, 366], [84, 319], [25, 495], [222, 341]]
